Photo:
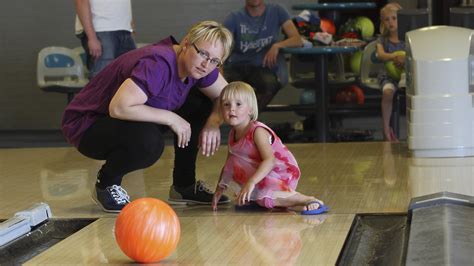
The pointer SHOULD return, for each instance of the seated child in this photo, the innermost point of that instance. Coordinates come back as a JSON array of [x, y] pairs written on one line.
[[259, 167], [387, 46]]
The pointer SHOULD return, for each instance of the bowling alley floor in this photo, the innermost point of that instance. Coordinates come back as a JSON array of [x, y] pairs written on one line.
[[351, 178]]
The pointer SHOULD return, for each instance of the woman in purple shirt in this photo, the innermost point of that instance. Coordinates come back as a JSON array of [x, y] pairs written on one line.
[[121, 115]]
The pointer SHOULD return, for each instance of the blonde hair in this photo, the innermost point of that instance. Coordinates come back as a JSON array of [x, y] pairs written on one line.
[[243, 91], [390, 7], [213, 32]]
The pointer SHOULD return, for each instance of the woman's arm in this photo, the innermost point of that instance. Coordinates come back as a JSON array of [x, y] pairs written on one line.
[[128, 103], [210, 136], [262, 140]]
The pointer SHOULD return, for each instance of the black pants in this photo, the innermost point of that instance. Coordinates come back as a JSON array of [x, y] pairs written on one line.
[[263, 80], [127, 146]]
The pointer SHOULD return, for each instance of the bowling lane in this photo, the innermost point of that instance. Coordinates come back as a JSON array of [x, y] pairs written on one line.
[[240, 240], [432, 175], [351, 178]]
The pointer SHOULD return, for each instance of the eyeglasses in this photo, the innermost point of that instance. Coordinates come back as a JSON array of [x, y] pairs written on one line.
[[204, 55]]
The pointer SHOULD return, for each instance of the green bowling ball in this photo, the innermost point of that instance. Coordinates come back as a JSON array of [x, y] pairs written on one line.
[[392, 70], [366, 27], [355, 61]]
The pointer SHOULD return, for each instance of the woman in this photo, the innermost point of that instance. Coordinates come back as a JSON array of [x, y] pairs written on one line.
[[120, 116]]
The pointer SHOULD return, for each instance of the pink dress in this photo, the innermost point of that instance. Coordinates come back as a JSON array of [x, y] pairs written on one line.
[[244, 158]]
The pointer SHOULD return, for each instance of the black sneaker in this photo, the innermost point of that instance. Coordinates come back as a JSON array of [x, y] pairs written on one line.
[[111, 199], [198, 193]]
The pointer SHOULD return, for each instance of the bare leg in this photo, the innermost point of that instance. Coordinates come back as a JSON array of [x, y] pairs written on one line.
[[298, 202], [387, 99]]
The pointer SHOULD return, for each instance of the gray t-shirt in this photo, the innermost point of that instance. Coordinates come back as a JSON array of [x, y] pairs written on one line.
[[254, 36]]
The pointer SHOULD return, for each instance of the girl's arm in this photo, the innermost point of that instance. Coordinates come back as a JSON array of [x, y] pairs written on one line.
[[128, 103], [219, 188], [382, 55], [217, 196], [262, 140]]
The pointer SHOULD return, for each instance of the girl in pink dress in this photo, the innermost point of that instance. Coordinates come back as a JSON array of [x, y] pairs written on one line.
[[259, 167]]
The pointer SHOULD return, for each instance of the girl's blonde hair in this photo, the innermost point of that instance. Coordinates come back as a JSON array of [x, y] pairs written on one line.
[[243, 91], [390, 7], [213, 32]]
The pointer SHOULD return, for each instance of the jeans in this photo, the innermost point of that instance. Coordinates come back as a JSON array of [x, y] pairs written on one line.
[[114, 44], [263, 80]]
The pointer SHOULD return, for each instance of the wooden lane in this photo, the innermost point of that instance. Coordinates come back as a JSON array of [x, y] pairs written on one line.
[[240, 240], [350, 177]]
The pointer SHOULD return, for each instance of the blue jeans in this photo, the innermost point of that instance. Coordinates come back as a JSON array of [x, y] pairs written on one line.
[[263, 80], [114, 44]]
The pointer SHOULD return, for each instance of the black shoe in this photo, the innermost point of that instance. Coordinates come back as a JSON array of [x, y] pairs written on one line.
[[111, 199], [198, 193]]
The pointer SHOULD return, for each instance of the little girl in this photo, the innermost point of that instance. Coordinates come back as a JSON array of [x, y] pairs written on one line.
[[387, 44], [259, 168]]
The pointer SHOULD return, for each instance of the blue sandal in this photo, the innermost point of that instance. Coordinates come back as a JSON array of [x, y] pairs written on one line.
[[322, 209]]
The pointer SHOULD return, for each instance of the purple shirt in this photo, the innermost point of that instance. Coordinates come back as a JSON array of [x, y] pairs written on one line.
[[153, 68]]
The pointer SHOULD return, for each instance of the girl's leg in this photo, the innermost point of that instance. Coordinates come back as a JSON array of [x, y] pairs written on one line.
[[387, 101], [298, 202]]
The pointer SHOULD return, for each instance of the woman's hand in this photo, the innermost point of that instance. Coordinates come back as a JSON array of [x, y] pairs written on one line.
[[210, 139], [182, 129], [245, 192]]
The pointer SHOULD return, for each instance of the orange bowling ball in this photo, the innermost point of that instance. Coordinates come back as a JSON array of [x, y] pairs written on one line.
[[147, 230], [350, 94], [328, 26]]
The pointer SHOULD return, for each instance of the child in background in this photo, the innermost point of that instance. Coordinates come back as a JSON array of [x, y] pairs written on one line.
[[259, 168], [387, 44]]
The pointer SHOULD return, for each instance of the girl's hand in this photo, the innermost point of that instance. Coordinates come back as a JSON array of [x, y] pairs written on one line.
[[245, 192], [182, 129], [217, 196], [399, 61]]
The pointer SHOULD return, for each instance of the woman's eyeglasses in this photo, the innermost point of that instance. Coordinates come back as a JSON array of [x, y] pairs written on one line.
[[204, 55]]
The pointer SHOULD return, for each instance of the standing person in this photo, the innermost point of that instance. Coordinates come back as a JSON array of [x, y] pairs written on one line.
[[105, 29], [259, 168], [256, 57], [387, 44], [121, 115]]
